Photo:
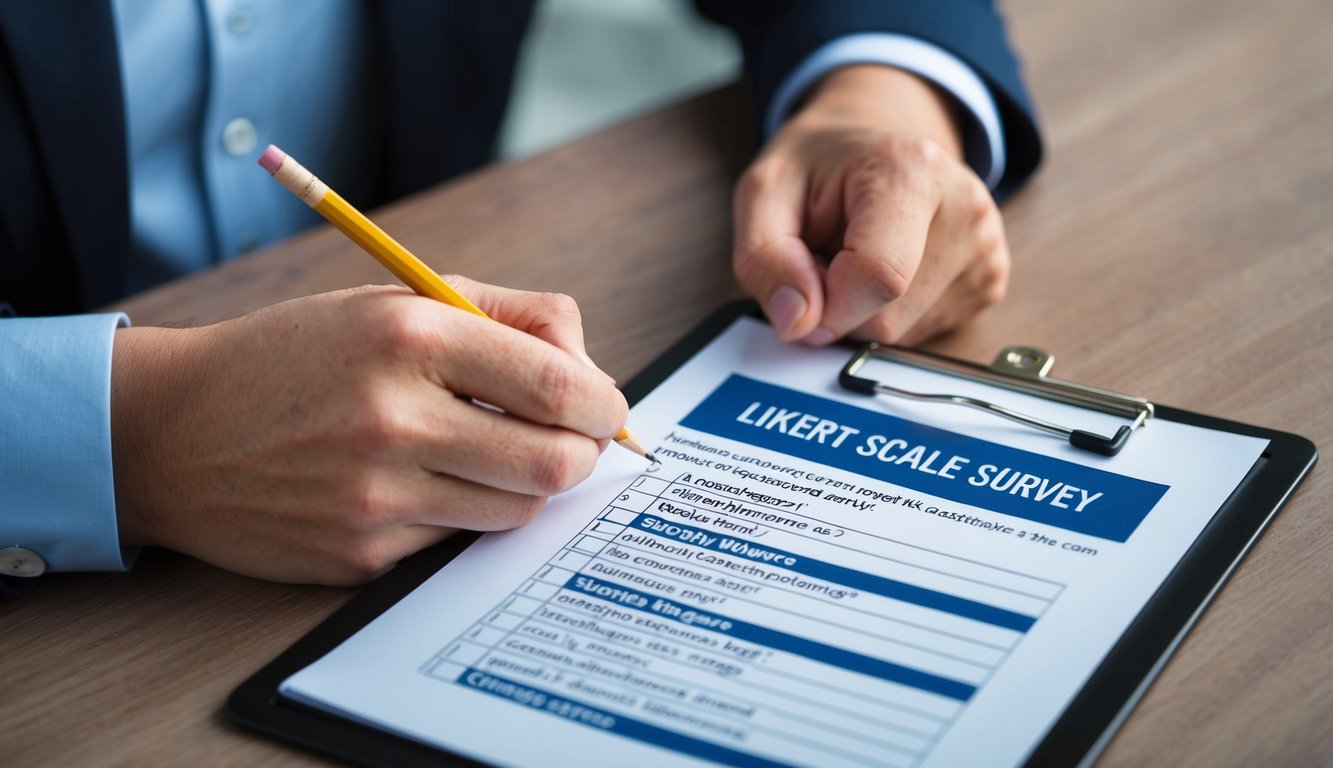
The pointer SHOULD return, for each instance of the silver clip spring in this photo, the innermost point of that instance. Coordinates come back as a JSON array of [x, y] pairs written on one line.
[[1021, 369]]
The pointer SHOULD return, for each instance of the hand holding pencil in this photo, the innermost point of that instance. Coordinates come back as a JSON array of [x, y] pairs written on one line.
[[414, 273], [324, 439]]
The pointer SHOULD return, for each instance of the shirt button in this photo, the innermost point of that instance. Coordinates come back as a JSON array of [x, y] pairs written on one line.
[[238, 22], [20, 562], [239, 136]]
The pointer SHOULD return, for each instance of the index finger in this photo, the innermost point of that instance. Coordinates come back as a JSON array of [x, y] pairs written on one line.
[[552, 317], [529, 378], [770, 260]]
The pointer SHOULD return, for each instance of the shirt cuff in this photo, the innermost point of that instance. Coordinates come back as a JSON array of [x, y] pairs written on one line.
[[56, 477], [983, 137]]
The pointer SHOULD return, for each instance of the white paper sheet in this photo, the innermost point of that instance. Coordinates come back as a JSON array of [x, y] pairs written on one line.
[[812, 577]]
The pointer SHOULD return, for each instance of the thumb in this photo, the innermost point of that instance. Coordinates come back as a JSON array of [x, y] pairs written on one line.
[[770, 260]]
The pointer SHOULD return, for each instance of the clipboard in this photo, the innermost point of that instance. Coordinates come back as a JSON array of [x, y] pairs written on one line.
[[1080, 732]]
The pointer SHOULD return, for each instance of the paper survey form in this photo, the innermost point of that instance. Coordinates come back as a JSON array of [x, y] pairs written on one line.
[[811, 577]]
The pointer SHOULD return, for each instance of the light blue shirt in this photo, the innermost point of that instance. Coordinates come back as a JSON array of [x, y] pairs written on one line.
[[208, 85], [57, 496]]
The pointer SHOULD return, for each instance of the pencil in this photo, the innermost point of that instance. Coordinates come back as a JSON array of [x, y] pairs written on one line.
[[401, 262]]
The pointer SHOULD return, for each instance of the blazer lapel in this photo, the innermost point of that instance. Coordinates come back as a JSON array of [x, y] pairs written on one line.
[[66, 62]]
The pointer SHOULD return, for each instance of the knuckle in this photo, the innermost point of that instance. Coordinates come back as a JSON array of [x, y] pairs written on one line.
[[560, 306], [751, 261], [377, 427], [1000, 268], [994, 294], [525, 510], [511, 510], [990, 240], [914, 153], [869, 175], [557, 468], [761, 176], [557, 387], [352, 556], [364, 558], [908, 166], [365, 505], [746, 252], [998, 287], [398, 330], [886, 277], [995, 278], [976, 199]]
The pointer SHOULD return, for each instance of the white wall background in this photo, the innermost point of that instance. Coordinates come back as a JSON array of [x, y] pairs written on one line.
[[589, 63]]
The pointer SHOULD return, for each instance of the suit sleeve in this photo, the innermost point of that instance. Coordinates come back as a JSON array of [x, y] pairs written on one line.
[[776, 37]]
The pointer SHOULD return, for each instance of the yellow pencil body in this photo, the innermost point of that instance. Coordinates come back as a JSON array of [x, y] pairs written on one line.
[[401, 262]]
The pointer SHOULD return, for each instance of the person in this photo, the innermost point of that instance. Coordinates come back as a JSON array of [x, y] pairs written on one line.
[[320, 440]]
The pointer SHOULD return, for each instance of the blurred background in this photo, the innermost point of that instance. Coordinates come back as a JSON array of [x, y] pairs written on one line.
[[589, 63]]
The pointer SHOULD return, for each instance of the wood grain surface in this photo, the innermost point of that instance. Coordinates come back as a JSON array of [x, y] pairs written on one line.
[[1178, 244]]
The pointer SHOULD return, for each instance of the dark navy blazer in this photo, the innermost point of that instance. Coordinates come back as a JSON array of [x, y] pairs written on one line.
[[446, 68]]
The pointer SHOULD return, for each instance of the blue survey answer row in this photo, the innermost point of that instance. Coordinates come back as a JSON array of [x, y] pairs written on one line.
[[769, 638], [745, 642], [945, 464], [545, 701], [848, 577]]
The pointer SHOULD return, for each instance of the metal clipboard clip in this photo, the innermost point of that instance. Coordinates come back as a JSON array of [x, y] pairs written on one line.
[[1021, 369]]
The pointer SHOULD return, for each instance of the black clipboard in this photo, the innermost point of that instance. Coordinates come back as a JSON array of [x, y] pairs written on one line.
[[1079, 734]]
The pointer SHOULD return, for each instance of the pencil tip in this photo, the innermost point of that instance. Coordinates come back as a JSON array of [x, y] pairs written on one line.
[[632, 443]]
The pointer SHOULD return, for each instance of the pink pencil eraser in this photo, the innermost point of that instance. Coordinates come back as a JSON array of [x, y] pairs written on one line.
[[272, 158]]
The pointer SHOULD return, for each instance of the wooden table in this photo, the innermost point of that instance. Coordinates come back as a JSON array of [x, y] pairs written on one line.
[[1177, 244]]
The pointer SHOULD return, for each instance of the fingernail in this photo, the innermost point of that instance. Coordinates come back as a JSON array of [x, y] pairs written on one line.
[[786, 308], [819, 337]]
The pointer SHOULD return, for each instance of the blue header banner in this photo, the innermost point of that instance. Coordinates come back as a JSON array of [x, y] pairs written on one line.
[[946, 464]]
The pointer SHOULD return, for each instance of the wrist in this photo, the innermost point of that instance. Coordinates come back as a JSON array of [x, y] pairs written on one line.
[[146, 377], [876, 96]]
